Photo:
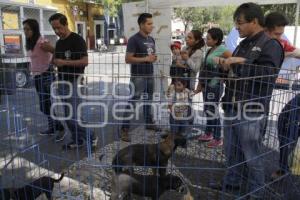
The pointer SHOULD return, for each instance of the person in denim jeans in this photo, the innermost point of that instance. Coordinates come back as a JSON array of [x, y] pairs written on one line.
[[43, 87], [74, 101], [243, 142], [140, 53], [212, 86], [142, 86], [71, 58], [212, 96], [40, 53], [178, 96], [251, 71]]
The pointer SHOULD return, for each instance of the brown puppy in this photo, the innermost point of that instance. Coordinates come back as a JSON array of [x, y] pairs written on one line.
[[125, 184], [33, 190], [151, 155]]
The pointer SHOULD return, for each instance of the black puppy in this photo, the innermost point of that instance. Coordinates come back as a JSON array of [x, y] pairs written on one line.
[[147, 185], [153, 155], [42, 185]]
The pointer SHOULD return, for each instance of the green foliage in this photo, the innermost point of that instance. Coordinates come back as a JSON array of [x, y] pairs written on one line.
[[113, 6], [289, 10], [203, 18], [188, 15]]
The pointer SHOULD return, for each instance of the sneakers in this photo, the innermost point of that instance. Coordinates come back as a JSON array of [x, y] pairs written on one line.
[[206, 137], [60, 136], [47, 132], [73, 145], [215, 143], [125, 135]]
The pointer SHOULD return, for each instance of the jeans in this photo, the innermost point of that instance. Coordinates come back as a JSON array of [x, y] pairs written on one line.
[[243, 145], [211, 96], [78, 132], [142, 87], [43, 87], [288, 131], [178, 126]]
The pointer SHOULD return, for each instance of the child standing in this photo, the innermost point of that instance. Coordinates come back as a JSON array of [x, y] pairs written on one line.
[[179, 102]]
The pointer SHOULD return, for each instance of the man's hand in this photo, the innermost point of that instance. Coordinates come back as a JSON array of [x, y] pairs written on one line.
[[46, 46], [234, 60], [59, 62], [222, 63], [225, 63], [151, 58]]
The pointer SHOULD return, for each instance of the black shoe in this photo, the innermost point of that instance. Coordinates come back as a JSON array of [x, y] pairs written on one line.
[[60, 136], [48, 132], [73, 145]]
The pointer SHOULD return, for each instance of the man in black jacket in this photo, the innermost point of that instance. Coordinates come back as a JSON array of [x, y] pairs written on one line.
[[251, 72]]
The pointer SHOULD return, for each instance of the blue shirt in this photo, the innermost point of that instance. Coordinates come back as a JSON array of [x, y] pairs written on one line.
[[141, 46]]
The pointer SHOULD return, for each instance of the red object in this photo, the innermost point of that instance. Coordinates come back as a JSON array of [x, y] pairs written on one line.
[[176, 45], [206, 137], [287, 47], [215, 143]]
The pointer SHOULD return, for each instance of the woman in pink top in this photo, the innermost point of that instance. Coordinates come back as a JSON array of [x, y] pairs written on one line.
[[40, 52]]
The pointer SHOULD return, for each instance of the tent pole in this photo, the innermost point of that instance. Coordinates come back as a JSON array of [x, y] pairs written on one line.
[[296, 22], [147, 5]]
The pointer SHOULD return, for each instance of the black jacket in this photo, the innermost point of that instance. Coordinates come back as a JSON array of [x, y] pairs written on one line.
[[254, 81]]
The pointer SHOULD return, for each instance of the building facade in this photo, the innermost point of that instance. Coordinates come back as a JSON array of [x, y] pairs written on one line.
[[85, 17]]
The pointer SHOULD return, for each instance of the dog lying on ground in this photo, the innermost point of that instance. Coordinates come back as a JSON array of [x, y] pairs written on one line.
[[152, 186], [32, 191], [153, 155]]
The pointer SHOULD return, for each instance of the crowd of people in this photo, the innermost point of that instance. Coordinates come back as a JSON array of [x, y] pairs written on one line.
[[70, 57], [246, 75]]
